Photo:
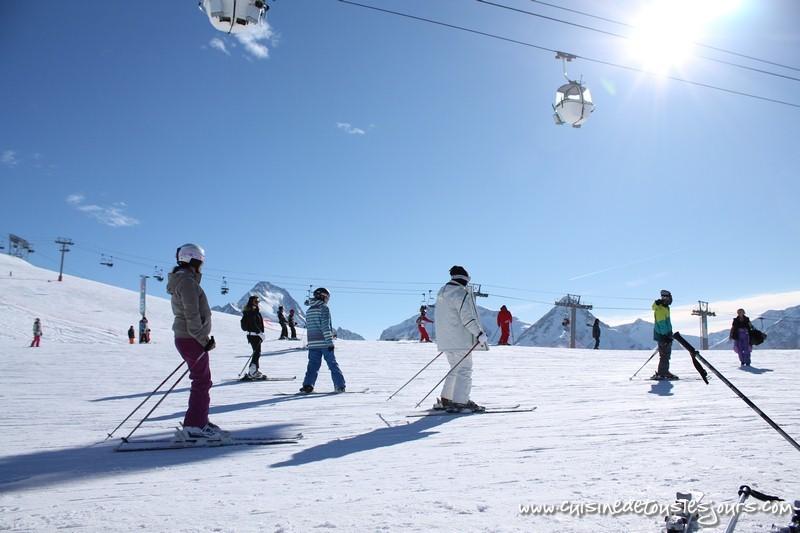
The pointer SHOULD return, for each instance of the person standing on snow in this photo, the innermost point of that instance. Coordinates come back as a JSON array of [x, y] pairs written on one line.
[[142, 330], [596, 333], [282, 321], [292, 324], [740, 334], [253, 324], [131, 335], [504, 320], [320, 335], [421, 319], [193, 339], [37, 333], [662, 333], [458, 333]]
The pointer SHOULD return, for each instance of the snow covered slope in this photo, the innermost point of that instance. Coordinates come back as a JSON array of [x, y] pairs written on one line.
[[596, 437], [407, 329]]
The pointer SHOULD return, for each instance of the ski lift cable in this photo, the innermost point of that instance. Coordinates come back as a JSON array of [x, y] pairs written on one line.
[[585, 58], [702, 45], [625, 37]]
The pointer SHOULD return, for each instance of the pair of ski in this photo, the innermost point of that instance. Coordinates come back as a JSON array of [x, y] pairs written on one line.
[[143, 445], [517, 408], [247, 378]]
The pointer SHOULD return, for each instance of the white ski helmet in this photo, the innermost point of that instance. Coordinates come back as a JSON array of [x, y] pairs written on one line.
[[189, 252]]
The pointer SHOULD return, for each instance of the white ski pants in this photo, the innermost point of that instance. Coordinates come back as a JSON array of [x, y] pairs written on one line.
[[458, 384]]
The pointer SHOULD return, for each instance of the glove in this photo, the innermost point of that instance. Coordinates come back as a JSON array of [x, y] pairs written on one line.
[[483, 341], [210, 345]]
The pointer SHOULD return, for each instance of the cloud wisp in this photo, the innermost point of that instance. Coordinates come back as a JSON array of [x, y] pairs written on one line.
[[113, 215], [218, 44], [9, 158], [254, 40], [350, 129]]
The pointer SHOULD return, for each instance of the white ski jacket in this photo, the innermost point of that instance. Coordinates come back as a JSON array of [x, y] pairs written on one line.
[[457, 321]]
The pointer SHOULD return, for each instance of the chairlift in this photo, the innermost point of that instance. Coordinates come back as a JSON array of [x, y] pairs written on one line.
[[234, 16], [573, 103], [158, 273], [224, 288], [106, 260]]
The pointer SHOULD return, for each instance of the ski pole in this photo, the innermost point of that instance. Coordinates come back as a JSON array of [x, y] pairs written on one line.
[[143, 401], [697, 357], [744, 493], [448, 373], [414, 377], [644, 365], [246, 364], [150, 412]]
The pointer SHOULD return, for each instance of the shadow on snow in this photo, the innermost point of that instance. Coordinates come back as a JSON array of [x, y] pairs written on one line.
[[378, 438], [662, 388], [53, 467]]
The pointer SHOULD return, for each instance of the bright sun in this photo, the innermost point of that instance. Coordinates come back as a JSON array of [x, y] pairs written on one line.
[[664, 32]]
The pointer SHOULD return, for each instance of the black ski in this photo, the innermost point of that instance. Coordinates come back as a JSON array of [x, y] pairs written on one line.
[[267, 378], [486, 412], [327, 393]]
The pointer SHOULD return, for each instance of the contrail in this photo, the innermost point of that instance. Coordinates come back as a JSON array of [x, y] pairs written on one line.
[[646, 259]]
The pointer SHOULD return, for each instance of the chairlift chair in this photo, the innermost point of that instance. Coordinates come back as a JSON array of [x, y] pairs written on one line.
[[158, 273], [234, 16], [106, 260], [573, 104], [224, 288]]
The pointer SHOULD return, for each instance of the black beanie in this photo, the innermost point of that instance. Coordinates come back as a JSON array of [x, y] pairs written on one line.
[[458, 271]]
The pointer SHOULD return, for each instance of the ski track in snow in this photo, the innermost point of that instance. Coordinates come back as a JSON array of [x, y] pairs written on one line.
[[595, 437]]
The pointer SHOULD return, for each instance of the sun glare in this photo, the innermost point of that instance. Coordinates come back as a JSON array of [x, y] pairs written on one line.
[[666, 30]]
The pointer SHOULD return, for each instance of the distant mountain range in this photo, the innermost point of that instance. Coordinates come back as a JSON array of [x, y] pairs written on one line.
[[782, 329]]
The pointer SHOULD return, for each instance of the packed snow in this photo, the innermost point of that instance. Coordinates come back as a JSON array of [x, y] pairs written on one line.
[[596, 436]]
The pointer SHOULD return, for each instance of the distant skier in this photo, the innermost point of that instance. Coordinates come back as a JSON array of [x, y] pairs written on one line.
[[282, 321], [319, 335], [142, 329], [596, 333], [253, 323], [504, 319], [740, 334], [292, 324], [147, 335], [421, 319], [131, 335], [662, 333], [458, 331], [193, 339], [37, 333]]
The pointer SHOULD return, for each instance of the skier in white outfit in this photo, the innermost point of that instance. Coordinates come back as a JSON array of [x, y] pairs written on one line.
[[458, 333]]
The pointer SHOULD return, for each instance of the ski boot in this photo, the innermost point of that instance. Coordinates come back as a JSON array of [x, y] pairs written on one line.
[[469, 407], [306, 389], [441, 404]]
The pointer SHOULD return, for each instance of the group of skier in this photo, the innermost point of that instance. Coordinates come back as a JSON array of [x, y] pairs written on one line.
[[504, 320], [458, 334]]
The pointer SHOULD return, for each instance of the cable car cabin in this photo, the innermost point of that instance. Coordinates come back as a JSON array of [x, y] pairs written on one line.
[[234, 16], [573, 104]]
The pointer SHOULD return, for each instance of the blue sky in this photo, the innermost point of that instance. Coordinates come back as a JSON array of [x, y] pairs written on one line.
[[371, 148]]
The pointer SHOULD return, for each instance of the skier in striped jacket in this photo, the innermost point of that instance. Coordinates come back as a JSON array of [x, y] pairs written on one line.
[[320, 337]]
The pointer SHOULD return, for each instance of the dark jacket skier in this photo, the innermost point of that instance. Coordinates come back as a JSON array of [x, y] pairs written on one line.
[[282, 321], [253, 324], [596, 333], [131, 335], [142, 329], [292, 324], [740, 334]]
